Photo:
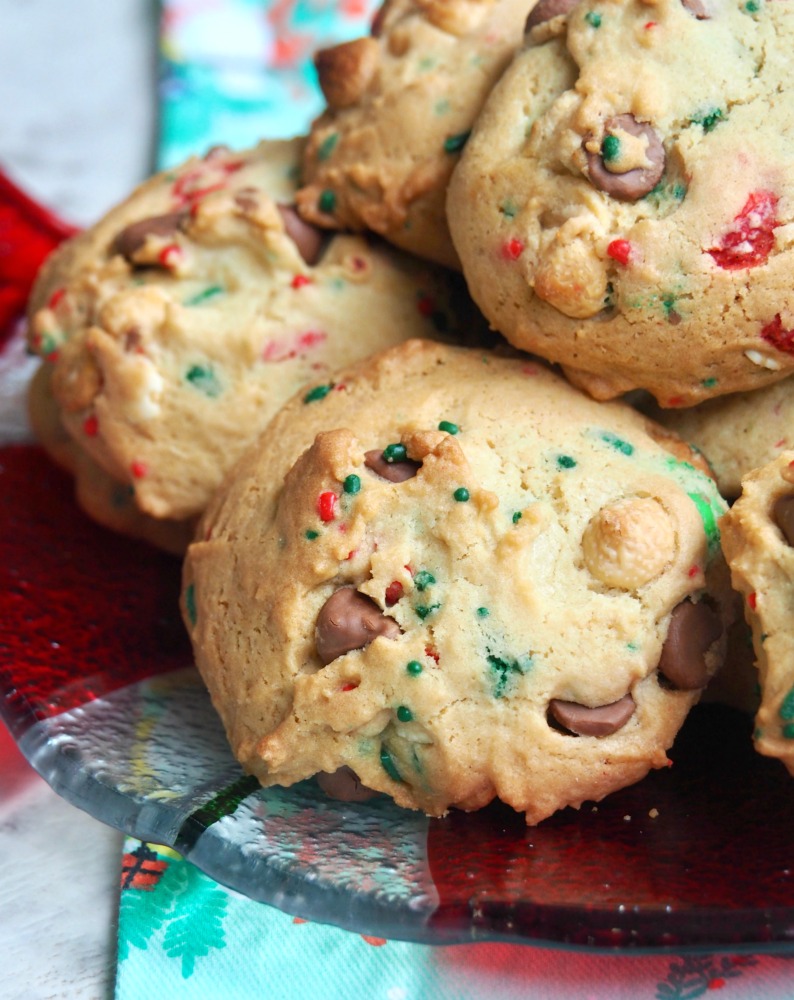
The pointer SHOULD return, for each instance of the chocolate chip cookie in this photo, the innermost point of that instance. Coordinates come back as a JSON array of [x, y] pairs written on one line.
[[448, 575], [624, 204], [400, 107], [179, 324], [758, 540], [740, 432]]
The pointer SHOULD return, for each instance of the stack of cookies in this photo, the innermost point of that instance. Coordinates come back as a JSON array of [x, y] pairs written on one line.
[[369, 380]]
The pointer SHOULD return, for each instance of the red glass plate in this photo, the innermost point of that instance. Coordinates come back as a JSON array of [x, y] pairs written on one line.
[[97, 688]]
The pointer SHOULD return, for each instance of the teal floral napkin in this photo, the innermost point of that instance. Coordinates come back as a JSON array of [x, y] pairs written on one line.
[[236, 71]]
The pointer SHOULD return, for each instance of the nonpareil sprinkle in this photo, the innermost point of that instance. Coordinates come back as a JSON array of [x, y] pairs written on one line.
[[610, 148], [566, 462], [414, 668], [448, 427], [593, 19], [352, 484], [461, 494], [455, 143], [404, 714], [317, 393], [327, 202], [395, 453], [424, 579]]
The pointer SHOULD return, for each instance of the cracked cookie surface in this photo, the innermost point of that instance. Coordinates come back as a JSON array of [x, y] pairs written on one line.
[[625, 205], [456, 577]]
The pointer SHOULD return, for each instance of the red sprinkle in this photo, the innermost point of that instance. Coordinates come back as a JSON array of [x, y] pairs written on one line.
[[752, 601], [512, 249], [55, 298], [426, 306], [649, 24], [693, 571], [91, 425], [139, 469], [394, 592], [169, 255], [349, 687], [300, 280], [749, 240], [675, 401], [774, 334], [432, 653], [326, 505], [619, 250]]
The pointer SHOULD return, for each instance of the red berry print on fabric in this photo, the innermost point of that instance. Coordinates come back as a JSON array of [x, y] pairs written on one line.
[[141, 869], [750, 238]]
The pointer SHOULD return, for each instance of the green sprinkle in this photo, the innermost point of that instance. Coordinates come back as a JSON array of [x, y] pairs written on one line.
[[455, 143], [461, 494], [566, 462], [423, 610], [388, 764], [424, 579], [503, 669], [414, 668], [311, 534], [483, 612], [517, 517], [326, 202], [327, 146], [633, 647], [205, 380], [617, 443], [395, 453], [610, 148], [593, 19], [449, 427], [352, 484], [709, 383], [710, 120], [709, 521], [404, 714], [752, 6], [788, 731], [190, 603], [207, 293], [508, 209], [786, 710], [317, 393]]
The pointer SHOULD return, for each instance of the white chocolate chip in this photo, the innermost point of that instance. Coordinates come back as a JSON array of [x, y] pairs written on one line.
[[628, 543], [763, 360]]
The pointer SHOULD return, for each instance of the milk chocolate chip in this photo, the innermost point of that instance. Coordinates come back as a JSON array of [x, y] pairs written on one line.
[[545, 10], [636, 181], [693, 629], [130, 240], [783, 515], [604, 720], [344, 784], [395, 470], [350, 620], [697, 9], [308, 239]]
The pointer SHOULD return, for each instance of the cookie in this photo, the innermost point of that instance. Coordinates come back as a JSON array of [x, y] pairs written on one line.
[[624, 204], [740, 432], [758, 541], [400, 106], [458, 577], [106, 500], [181, 322]]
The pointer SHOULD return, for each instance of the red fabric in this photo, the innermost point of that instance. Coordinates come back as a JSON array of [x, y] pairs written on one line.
[[28, 233]]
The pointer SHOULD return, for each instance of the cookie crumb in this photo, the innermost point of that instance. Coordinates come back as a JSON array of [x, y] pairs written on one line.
[[653, 813]]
